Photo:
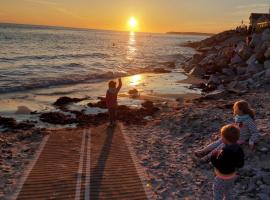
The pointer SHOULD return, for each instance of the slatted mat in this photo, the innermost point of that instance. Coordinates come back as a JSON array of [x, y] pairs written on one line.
[[83, 164], [113, 173]]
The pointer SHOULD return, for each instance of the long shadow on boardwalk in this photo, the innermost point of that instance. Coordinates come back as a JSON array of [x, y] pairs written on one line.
[[98, 171]]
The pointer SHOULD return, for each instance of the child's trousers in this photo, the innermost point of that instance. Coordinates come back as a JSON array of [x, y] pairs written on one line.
[[223, 189], [215, 145]]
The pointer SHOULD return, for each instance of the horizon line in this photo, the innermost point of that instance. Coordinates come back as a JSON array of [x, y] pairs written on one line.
[[84, 28]]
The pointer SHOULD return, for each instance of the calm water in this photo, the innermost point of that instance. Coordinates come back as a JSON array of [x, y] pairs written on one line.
[[40, 57]]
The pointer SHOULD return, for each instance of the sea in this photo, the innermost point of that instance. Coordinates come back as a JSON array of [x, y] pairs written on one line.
[[38, 61]]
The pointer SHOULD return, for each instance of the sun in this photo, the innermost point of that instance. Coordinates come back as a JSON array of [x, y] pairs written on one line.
[[132, 22]]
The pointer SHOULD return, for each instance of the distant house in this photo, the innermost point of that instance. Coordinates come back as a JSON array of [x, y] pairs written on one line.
[[257, 18]]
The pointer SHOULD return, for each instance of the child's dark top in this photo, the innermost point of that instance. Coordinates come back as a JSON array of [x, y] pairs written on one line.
[[230, 158]]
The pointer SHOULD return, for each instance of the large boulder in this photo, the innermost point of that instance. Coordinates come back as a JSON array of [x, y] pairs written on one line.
[[197, 71]]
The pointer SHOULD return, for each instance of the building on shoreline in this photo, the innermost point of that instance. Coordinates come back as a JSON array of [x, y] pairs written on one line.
[[259, 20]]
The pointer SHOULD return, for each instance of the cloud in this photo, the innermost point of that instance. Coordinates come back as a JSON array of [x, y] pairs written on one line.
[[254, 6], [68, 12], [57, 7], [43, 2], [244, 10]]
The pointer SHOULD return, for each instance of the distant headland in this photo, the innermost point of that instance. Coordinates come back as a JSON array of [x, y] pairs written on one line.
[[190, 33]]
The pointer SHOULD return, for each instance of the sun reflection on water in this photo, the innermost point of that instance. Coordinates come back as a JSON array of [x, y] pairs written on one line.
[[135, 80], [131, 49]]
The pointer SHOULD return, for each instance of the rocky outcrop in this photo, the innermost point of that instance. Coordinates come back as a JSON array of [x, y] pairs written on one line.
[[229, 63], [63, 101], [11, 123]]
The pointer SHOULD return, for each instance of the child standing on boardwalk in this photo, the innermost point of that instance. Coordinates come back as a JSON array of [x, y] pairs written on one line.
[[226, 161], [111, 100], [244, 120]]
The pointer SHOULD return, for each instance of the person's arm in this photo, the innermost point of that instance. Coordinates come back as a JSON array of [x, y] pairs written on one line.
[[119, 85]]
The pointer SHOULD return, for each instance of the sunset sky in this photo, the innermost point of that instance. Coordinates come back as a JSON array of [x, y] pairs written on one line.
[[152, 15]]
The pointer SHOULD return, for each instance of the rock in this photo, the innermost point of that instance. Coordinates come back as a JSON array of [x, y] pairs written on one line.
[[267, 73], [236, 87], [148, 105], [241, 70], [260, 56], [134, 93], [62, 101], [265, 36], [216, 94], [214, 79], [12, 124], [23, 110], [256, 40], [221, 62], [170, 65], [266, 179], [24, 126], [228, 72], [267, 53], [259, 75], [254, 68], [57, 118], [263, 196], [266, 64], [209, 59], [8, 122], [252, 60], [197, 71], [197, 58], [236, 59], [245, 52], [161, 70], [100, 104]]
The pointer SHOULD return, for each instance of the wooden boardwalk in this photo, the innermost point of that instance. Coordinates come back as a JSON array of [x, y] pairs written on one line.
[[83, 164]]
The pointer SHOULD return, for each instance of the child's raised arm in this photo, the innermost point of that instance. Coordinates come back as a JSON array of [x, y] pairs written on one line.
[[119, 84]]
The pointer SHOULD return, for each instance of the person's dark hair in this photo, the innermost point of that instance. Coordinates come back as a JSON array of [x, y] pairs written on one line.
[[112, 84], [245, 108], [230, 133]]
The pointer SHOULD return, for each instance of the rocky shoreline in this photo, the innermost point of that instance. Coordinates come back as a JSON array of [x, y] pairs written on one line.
[[231, 62], [166, 145]]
